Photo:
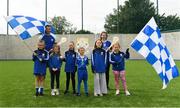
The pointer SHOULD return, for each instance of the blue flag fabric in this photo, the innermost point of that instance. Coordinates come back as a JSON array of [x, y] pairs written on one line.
[[26, 27], [150, 44]]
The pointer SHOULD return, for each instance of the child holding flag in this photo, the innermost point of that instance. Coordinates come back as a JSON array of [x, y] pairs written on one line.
[[98, 63], [70, 66], [117, 58], [55, 62], [40, 58], [82, 62]]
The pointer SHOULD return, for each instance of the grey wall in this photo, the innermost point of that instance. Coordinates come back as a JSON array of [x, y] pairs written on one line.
[[12, 47]]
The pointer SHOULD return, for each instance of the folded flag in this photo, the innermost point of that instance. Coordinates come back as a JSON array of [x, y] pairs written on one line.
[[26, 27], [150, 44]]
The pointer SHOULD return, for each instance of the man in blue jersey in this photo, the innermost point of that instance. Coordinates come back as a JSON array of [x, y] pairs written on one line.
[[48, 38]]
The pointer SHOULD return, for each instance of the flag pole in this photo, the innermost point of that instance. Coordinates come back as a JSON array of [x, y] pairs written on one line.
[[7, 15], [82, 15], [117, 16], [46, 10]]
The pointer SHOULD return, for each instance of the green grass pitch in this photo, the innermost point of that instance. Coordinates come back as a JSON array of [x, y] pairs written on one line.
[[17, 88]]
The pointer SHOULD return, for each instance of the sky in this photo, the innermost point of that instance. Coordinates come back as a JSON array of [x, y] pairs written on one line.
[[95, 11]]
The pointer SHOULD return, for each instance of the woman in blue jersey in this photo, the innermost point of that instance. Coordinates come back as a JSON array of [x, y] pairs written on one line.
[[105, 46], [98, 63]]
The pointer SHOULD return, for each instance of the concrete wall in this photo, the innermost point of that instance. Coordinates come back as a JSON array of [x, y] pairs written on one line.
[[12, 47]]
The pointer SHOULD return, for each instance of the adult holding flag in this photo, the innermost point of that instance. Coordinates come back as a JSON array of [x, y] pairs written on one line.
[[150, 44]]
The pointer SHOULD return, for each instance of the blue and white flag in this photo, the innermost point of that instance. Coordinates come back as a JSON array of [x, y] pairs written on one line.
[[150, 44], [26, 27]]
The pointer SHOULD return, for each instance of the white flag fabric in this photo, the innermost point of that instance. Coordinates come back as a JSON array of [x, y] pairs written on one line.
[[150, 44], [26, 26]]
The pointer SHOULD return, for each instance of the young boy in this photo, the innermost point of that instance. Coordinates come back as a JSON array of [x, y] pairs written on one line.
[[82, 62], [40, 58]]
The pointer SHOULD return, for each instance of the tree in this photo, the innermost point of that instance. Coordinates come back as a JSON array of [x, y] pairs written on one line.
[[132, 16], [170, 22], [84, 32], [62, 26], [135, 14]]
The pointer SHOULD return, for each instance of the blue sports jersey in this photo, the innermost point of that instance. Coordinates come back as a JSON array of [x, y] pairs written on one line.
[[55, 61], [118, 60], [82, 63], [49, 41], [98, 60], [70, 59], [40, 59], [106, 44]]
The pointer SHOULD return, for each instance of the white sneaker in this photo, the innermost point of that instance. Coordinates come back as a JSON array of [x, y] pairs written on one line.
[[101, 94], [52, 92], [117, 92], [127, 93], [95, 94], [57, 92]]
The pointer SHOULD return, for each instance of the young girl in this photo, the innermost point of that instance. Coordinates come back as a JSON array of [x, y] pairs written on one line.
[[40, 58], [117, 58], [82, 62], [98, 68], [70, 67], [106, 45], [55, 62]]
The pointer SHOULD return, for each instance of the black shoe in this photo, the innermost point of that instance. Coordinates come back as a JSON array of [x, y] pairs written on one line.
[[78, 94], [108, 88], [74, 92], [66, 92], [87, 94]]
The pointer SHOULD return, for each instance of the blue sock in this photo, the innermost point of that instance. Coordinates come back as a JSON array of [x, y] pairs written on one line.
[[37, 90]]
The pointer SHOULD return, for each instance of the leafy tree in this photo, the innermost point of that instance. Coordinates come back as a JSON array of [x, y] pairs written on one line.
[[132, 16], [84, 32], [135, 14], [62, 26], [170, 22]]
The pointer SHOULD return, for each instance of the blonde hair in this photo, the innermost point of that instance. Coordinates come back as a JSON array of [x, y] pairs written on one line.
[[56, 45]]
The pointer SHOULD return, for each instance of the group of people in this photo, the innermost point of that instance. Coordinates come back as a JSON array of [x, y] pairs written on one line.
[[48, 55]]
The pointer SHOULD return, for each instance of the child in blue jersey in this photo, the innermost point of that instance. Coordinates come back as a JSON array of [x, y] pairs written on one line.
[[48, 38], [70, 67], [117, 58], [98, 63], [82, 62], [106, 45], [40, 58], [55, 62]]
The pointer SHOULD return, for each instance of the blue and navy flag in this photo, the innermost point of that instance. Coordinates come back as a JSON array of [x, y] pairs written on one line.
[[150, 44], [26, 27]]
